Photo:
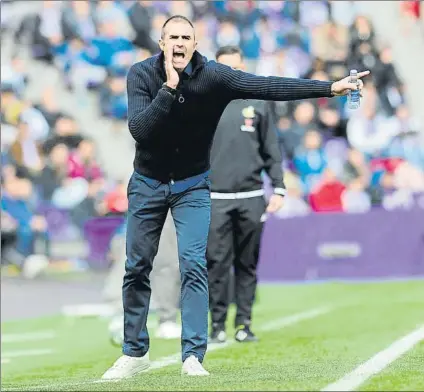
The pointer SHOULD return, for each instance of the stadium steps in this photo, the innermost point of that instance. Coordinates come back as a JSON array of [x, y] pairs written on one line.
[[115, 148]]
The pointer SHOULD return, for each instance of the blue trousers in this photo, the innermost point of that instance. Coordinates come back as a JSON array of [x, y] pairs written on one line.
[[149, 201], [27, 240]]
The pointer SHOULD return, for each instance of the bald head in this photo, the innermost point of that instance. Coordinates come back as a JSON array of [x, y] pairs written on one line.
[[178, 34], [176, 19]]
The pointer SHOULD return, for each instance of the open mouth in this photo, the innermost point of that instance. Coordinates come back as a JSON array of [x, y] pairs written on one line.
[[178, 56]]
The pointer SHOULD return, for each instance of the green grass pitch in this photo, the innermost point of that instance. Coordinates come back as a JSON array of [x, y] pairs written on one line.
[[345, 325]]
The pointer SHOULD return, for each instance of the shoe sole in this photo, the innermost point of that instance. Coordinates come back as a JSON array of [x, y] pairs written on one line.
[[193, 375], [247, 341], [141, 369], [216, 341]]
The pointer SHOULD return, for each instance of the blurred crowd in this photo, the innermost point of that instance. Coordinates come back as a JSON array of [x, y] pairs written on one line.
[[335, 159]]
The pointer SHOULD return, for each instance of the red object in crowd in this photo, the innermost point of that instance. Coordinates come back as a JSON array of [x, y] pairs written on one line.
[[412, 7], [327, 198], [116, 202], [387, 164], [230, 6]]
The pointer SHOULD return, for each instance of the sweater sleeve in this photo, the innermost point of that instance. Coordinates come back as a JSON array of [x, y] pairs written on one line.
[[270, 151], [145, 115], [243, 85]]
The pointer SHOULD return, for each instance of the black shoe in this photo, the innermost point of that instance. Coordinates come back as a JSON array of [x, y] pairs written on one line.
[[218, 336], [244, 334]]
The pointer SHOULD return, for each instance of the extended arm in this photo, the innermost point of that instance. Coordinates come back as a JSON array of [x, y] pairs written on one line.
[[243, 85]]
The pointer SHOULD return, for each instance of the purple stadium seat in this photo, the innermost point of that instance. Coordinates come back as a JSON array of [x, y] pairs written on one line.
[[98, 233], [59, 223]]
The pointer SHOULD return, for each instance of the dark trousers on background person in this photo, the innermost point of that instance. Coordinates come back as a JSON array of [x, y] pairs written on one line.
[[234, 241], [149, 201]]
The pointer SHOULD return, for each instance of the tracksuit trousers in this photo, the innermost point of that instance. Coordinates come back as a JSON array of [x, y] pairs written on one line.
[[234, 241]]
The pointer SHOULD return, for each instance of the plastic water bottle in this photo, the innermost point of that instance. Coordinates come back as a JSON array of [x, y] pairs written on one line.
[[354, 98]]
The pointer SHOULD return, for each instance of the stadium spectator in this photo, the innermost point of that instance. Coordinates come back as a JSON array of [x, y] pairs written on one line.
[[303, 119], [227, 34], [14, 75], [113, 11], [113, 98], [278, 64], [140, 16], [354, 198], [294, 201], [78, 21], [82, 162], [92, 44], [31, 229], [387, 82], [115, 201], [26, 152], [80, 71], [46, 31], [8, 238], [11, 106], [407, 144], [361, 35], [48, 106], [65, 131], [327, 194], [310, 160], [355, 168], [370, 131], [54, 173], [330, 42]]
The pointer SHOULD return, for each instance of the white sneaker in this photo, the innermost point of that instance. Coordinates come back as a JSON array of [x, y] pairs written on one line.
[[168, 330], [126, 367], [192, 367], [34, 265]]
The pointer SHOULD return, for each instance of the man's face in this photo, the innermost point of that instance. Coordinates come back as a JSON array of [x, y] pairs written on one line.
[[232, 60], [180, 36]]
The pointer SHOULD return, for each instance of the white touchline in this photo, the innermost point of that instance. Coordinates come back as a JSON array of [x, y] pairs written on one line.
[[27, 337], [176, 358], [26, 353], [378, 362], [286, 321]]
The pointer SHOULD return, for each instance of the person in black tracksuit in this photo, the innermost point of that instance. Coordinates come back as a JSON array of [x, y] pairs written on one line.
[[245, 144]]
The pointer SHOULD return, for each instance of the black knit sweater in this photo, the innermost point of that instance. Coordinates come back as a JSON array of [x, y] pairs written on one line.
[[174, 134]]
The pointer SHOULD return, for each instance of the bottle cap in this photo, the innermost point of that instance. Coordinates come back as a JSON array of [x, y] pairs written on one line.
[[353, 72]]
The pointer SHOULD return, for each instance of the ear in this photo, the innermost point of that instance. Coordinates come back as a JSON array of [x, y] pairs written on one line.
[[195, 45], [162, 45]]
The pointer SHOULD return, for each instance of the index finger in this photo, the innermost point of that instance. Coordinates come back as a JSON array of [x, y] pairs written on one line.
[[364, 73]]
